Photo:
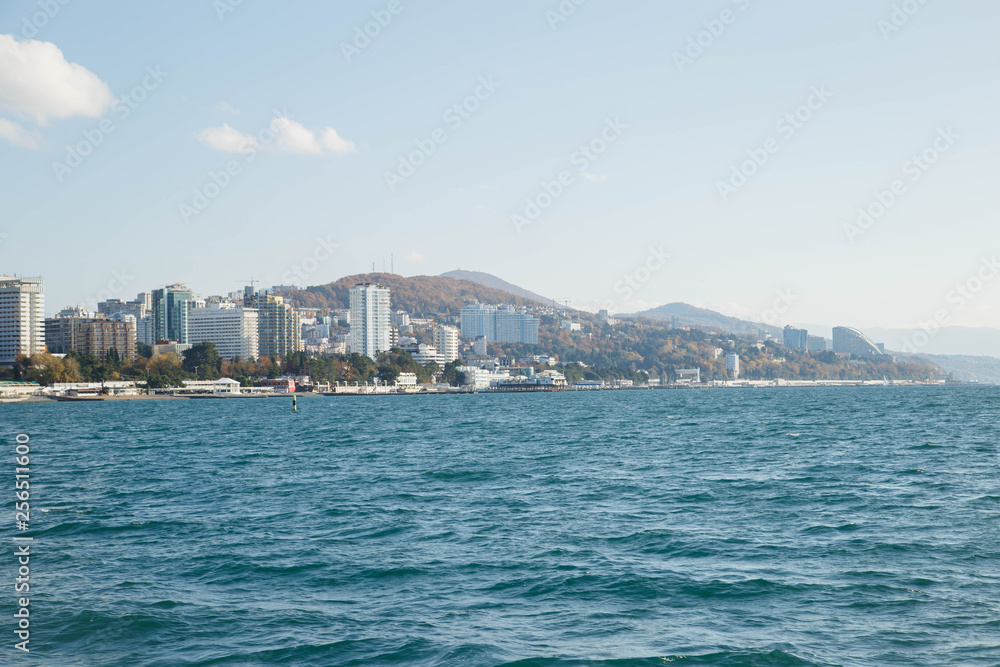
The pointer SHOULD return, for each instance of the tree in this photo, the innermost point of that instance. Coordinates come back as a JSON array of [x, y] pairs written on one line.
[[388, 373], [451, 373], [203, 357]]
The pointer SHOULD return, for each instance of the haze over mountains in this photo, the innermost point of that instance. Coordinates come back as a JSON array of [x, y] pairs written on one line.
[[970, 353], [965, 341], [489, 280]]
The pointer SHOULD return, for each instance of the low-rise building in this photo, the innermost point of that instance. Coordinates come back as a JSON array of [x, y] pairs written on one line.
[[688, 375], [93, 336], [222, 386], [12, 389], [406, 380], [425, 354], [170, 347], [280, 385]]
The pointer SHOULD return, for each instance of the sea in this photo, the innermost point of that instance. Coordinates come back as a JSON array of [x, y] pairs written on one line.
[[785, 527]]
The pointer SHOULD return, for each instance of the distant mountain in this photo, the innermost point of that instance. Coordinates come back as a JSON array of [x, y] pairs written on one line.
[[417, 295], [965, 341], [489, 280], [985, 370], [689, 315]]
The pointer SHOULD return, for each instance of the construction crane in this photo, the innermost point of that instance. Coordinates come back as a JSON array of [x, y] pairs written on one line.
[[253, 291]]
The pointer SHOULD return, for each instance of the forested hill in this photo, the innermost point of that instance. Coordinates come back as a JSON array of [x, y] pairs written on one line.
[[417, 295]]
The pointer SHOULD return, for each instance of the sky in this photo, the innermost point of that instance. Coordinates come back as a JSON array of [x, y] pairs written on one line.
[[781, 161]]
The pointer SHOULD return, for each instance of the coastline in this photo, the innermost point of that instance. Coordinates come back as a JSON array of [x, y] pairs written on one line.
[[780, 384]]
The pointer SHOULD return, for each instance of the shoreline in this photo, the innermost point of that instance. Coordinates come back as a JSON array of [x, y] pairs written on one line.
[[786, 384]]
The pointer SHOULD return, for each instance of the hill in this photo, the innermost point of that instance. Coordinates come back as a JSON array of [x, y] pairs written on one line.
[[689, 315], [417, 295], [985, 370], [491, 281]]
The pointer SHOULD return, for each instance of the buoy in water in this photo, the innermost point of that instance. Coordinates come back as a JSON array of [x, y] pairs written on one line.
[[295, 407]]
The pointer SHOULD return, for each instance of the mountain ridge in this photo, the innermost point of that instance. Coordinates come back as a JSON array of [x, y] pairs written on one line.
[[494, 282]]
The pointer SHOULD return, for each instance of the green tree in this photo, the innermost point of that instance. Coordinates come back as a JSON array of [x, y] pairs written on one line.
[[388, 373], [202, 358]]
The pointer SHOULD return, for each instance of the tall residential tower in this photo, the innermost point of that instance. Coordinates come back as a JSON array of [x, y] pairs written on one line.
[[369, 319], [22, 318]]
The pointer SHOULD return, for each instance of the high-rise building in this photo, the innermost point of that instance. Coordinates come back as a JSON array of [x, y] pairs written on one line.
[[139, 307], [446, 341], [733, 366], [499, 323], [847, 340], [96, 336], [171, 306], [817, 344], [231, 328], [144, 331], [479, 319], [22, 318], [479, 346], [369, 319], [796, 339], [513, 326], [279, 327]]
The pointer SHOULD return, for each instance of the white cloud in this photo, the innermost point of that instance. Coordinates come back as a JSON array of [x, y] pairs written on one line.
[[289, 137], [594, 178], [37, 82], [415, 257], [225, 138], [336, 144], [292, 137], [225, 107], [19, 136]]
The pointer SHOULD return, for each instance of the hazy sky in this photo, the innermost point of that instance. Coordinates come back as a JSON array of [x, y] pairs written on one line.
[[666, 120]]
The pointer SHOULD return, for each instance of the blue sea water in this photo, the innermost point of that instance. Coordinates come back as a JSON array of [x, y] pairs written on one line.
[[784, 527]]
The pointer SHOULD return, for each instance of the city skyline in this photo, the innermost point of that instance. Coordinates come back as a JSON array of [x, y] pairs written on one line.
[[843, 112]]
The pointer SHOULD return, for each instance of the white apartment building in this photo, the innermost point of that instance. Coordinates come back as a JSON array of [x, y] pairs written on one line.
[[446, 342], [425, 354], [22, 317], [232, 328], [733, 366], [370, 317]]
